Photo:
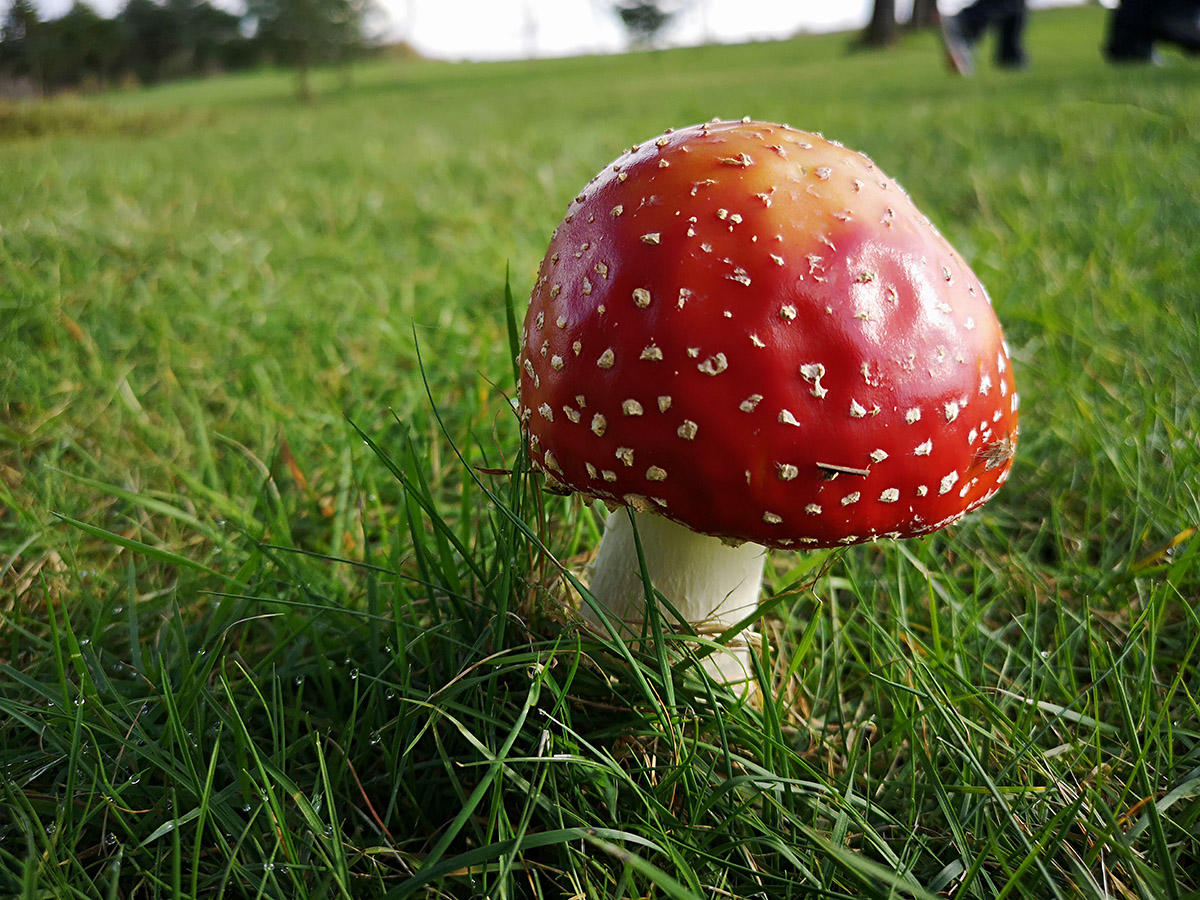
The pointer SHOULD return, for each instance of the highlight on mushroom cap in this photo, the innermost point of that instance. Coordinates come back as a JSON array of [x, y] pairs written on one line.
[[751, 330]]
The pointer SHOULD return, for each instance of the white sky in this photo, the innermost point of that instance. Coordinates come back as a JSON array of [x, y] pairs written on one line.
[[505, 29]]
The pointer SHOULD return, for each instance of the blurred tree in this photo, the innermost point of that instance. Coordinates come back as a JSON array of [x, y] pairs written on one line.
[[207, 38], [881, 30], [152, 39], [306, 32], [644, 19], [21, 19], [219, 42], [21, 44], [924, 14], [149, 39], [80, 47]]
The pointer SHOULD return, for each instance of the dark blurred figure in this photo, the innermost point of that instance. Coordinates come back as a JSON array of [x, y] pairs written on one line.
[[963, 30], [1135, 26]]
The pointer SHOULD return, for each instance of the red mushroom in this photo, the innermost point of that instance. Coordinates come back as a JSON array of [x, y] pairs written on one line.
[[748, 333]]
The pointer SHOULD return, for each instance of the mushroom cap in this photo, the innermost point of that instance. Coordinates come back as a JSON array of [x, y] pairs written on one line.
[[751, 330]]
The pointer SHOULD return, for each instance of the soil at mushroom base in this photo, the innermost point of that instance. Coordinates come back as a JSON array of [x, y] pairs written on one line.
[[752, 332]]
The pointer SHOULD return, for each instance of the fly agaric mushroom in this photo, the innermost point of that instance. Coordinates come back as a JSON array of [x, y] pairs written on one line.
[[749, 336]]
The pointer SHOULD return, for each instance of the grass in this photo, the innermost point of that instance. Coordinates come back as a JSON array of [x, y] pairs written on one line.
[[272, 625]]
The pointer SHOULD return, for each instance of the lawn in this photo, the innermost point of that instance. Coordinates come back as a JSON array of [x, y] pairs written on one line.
[[283, 613]]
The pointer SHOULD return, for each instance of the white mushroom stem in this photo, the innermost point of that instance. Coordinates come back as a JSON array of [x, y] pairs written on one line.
[[712, 584]]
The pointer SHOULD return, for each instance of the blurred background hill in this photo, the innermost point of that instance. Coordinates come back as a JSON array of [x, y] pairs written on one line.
[[48, 46]]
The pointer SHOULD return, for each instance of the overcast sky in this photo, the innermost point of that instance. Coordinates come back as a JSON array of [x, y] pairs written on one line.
[[501, 29]]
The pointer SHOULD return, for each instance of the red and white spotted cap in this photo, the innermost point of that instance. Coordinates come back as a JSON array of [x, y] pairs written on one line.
[[752, 331]]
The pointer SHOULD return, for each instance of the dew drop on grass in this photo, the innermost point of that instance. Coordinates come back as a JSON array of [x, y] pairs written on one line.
[[376, 737], [299, 680], [51, 828], [83, 642], [389, 694], [1044, 654], [354, 674]]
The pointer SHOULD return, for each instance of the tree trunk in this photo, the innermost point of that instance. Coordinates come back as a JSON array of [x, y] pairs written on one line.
[[881, 30], [924, 14]]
